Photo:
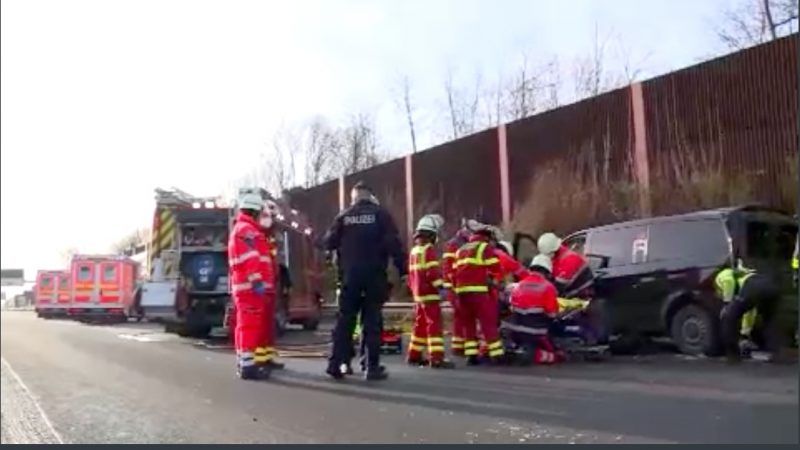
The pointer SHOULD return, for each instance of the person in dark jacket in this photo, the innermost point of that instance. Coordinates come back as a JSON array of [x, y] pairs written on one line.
[[364, 236]]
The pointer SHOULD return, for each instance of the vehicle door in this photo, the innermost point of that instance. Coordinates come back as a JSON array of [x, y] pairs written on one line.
[[63, 290], [109, 279], [84, 289], [45, 290], [624, 250], [682, 256]]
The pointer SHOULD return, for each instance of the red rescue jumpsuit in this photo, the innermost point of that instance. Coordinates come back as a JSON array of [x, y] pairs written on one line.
[[536, 295], [571, 272], [448, 262], [249, 264], [424, 281], [269, 313], [509, 267], [476, 266]]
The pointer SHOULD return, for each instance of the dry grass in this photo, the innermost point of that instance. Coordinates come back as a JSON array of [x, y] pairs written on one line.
[[580, 190]]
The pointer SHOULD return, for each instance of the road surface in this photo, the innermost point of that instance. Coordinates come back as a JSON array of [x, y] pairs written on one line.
[[74, 383]]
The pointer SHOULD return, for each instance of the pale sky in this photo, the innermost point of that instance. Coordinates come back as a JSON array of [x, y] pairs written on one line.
[[102, 101]]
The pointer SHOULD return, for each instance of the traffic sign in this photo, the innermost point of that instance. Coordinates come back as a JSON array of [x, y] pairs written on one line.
[[12, 277]]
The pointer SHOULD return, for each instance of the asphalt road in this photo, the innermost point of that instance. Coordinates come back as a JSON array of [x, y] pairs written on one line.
[[75, 383]]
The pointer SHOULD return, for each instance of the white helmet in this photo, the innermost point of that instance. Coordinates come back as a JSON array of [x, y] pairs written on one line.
[[251, 201], [548, 244], [475, 226], [506, 246], [430, 222], [542, 261]]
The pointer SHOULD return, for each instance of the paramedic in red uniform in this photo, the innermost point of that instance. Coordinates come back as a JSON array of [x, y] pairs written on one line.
[[267, 222], [572, 275], [426, 284], [475, 267], [534, 304], [252, 288], [448, 260], [571, 272]]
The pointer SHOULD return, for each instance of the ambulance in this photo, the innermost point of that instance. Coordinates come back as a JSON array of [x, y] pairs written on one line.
[[102, 287], [52, 294]]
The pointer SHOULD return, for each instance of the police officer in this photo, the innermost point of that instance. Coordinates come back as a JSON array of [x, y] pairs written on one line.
[[365, 237]]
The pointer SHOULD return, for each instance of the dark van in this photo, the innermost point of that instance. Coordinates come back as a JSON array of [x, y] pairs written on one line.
[[657, 274]]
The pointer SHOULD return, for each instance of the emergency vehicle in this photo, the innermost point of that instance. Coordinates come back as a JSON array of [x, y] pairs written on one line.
[[52, 293], [187, 286], [102, 287]]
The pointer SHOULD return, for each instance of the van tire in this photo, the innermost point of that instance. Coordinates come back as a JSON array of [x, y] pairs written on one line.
[[695, 331], [311, 324]]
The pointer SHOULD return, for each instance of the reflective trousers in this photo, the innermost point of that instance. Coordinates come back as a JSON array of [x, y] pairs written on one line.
[[427, 332], [480, 308], [760, 293], [253, 336], [457, 336]]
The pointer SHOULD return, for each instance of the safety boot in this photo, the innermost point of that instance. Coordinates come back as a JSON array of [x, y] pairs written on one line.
[[247, 373], [264, 371], [275, 365], [376, 374], [473, 361], [335, 371], [443, 364], [417, 362]]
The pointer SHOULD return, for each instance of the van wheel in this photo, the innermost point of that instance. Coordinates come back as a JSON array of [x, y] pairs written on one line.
[[694, 331], [311, 324]]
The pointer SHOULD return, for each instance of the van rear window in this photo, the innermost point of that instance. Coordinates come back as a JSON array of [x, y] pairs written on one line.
[[699, 241], [85, 273], [618, 244], [109, 274], [63, 283], [46, 281]]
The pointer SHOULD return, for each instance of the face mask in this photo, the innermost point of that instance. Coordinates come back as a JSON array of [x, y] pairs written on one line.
[[266, 222]]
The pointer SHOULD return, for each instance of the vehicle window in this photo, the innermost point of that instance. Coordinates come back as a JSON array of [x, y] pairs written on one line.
[[622, 246], [63, 283], [697, 240], [109, 273], [46, 281], [759, 242], [576, 243], [85, 273]]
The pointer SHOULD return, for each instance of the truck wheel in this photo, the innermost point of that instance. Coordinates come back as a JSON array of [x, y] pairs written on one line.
[[694, 331], [311, 324]]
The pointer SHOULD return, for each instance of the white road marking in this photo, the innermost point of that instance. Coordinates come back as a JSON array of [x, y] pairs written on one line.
[[33, 400]]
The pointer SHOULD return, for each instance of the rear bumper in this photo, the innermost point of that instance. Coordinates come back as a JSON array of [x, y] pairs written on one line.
[[97, 312]]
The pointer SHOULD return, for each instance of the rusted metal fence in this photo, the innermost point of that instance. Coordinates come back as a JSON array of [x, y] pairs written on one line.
[[718, 133]]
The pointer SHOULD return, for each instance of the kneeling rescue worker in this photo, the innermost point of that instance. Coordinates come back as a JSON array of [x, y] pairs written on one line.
[[742, 290], [534, 305], [476, 266], [253, 289], [427, 287], [571, 272]]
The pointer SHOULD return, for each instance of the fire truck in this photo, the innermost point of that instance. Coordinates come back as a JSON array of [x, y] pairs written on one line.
[[187, 286]]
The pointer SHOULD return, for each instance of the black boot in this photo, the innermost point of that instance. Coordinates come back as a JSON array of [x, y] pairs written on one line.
[[264, 371], [335, 371], [473, 361], [443, 364], [376, 374], [247, 373]]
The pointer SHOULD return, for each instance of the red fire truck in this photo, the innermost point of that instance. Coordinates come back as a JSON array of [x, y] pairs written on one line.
[[102, 287]]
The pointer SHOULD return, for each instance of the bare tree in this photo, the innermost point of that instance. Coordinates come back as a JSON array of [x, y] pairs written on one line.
[[408, 108], [320, 148], [359, 145], [754, 22], [133, 239], [462, 106], [532, 88], [67, 254]]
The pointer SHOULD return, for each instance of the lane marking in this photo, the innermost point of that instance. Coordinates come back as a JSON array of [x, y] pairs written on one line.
[[33, 399]]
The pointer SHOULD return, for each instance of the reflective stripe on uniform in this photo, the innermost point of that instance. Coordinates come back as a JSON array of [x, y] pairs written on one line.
[[438, 283], [427, 298], [467, 289], [261, 355], [795, 263], [264, 259], [449, 255], [254, 276], [496, 349], [435, 345], [424, 265], [250, 254], [245, 359], [471, 348]]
